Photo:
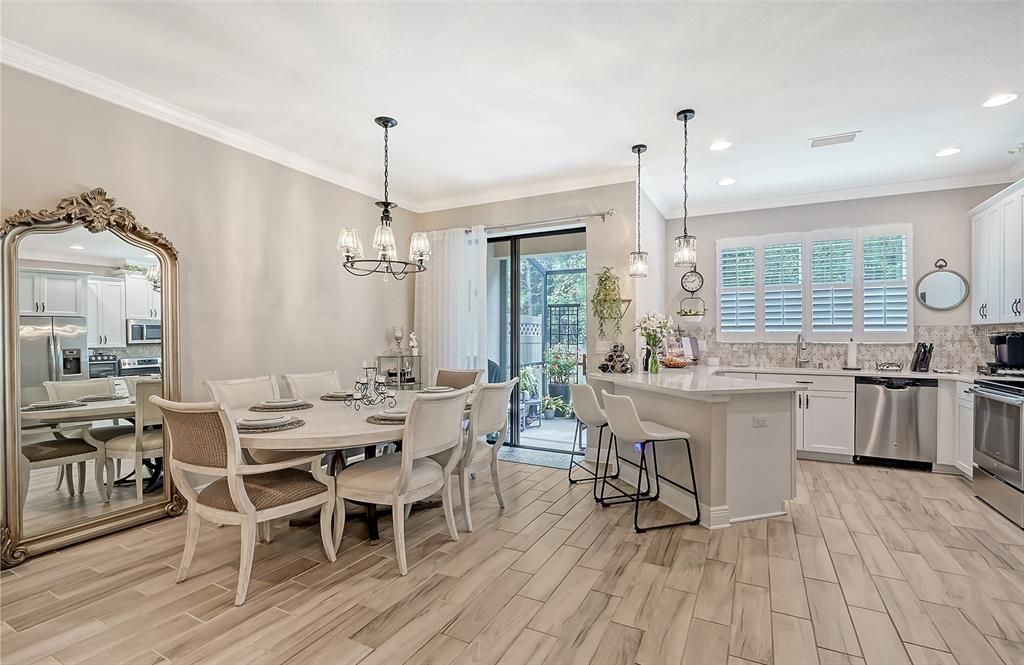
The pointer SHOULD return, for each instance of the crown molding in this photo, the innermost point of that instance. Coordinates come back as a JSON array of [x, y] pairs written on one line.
[[829, 196], [27, 59]]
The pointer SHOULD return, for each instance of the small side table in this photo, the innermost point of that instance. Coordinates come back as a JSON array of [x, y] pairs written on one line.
[[402, 371]]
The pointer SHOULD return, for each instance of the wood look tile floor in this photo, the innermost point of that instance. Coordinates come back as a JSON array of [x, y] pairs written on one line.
[[872, 565]]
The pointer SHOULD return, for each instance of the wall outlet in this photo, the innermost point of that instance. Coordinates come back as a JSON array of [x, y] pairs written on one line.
[[760, 421]]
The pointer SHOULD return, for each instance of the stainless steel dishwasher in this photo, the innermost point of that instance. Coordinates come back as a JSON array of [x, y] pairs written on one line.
[[896, 421]]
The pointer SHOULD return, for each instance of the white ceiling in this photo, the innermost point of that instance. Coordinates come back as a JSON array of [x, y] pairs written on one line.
[[497, 101], [100, 248]]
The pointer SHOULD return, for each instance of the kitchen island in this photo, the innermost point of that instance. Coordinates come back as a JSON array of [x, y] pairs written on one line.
[[742, 431]]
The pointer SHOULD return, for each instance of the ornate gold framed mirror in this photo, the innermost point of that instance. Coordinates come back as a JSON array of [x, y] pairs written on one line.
[[90, 331]]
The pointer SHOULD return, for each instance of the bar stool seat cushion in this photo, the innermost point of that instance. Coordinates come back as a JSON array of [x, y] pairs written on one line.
[[658, 432]]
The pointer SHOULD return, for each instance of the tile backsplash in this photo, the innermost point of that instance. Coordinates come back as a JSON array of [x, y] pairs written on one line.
[[956, 347]]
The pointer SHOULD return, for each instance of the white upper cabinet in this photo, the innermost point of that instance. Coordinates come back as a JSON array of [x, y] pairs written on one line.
[[105, 318], [51, 294], [141, 301], [997, 258]]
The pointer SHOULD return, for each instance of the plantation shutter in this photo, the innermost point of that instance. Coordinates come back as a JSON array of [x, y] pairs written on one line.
[[737, 282], [885, 299], [783, 293], [832, 285]]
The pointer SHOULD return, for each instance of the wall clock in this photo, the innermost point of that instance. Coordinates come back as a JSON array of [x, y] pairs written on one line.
[[692, 281]]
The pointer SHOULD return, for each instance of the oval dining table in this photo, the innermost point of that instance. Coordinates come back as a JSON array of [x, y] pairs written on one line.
[[330, 426]]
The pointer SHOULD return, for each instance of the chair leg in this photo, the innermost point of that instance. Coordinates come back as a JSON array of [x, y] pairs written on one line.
[[266, 531], [408, 510], [464, 494], [138, 476], [118, 465], [339, 521], [60, 478], [449, 511], [191, 540], [398, 520], [108, 464], [81, 478], [97, 475], [326, 537], [69, 477], [496, 481], [245, 559]]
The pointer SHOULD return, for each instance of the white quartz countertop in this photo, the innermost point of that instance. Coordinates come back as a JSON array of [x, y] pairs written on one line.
[[695, 382], [811, 371]]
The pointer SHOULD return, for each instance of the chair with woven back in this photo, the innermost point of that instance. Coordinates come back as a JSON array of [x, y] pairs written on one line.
[[56, 390], [204, 440], [458, 378]]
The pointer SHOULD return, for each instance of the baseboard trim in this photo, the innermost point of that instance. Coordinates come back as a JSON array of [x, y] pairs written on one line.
[[824, 457], [777, 513]]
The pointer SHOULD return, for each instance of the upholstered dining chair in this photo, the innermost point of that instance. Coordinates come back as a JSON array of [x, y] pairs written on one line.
[[143, 440], [312, 385], [73, 390], [489, 414], [60, 453], [237, 393], [433, 425], [458, 378], [204, 440]]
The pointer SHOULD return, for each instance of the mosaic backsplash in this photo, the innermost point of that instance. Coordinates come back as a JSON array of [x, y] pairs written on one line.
[[956, 347]]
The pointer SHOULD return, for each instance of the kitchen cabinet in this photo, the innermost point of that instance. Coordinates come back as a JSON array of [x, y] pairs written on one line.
[[141, 301], [827, 421], [105, 318], [997, 258], [965, 431], [51, 293]]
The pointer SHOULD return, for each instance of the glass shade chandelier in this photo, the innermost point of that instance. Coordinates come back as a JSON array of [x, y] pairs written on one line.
[[684, 251], [638, 265], [384, 260], [153, 277]]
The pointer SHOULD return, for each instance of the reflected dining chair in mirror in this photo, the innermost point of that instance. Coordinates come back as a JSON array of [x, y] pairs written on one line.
[[204, 441], [433, 426], [458, 378], [73, 279], [312, 385]]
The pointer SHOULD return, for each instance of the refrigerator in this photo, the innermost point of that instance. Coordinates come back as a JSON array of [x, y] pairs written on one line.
[[50, 348]]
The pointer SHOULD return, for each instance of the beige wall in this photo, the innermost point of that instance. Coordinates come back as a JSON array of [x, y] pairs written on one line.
[[262, 290], [941, 230]]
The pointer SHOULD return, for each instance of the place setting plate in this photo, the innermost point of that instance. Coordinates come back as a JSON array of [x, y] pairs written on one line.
[[284, 404], [101, 397], [388, 417], [337, 396], [255, 425], [51, 405]]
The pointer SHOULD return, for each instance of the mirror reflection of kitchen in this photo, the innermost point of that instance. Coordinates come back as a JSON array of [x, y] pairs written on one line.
[[89, 354]]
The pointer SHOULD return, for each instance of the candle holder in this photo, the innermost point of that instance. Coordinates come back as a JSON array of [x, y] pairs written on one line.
[[371, 390]]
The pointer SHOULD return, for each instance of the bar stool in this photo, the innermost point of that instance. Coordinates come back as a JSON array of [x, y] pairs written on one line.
[[625, 424], [590, 415]]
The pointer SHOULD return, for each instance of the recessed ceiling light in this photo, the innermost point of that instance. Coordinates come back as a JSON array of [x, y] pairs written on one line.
[[999, 100], [78, 247], [721, 144], [947, 152], [727, 181]]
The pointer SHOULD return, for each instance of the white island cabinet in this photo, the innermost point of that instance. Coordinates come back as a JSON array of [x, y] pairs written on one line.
[[742, 432]]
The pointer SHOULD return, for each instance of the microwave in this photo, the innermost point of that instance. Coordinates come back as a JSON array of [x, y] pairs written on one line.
[[143, 331]]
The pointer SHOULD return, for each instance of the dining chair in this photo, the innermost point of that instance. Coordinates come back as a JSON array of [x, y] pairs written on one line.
[[143, 440], [56, 390], [312, 385], [458, 378], [236, 393], [62, 453], [433, 425], [204, 440], [488, 415]]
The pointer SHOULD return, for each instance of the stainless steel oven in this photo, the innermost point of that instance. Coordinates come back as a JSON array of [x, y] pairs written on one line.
[[999, 446], [144, 331]]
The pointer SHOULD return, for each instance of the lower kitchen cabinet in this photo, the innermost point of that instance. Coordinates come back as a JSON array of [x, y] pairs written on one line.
[[827, 422], [965, 436]]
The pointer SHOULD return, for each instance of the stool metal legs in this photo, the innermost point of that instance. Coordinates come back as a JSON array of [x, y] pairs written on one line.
[[597, 474]]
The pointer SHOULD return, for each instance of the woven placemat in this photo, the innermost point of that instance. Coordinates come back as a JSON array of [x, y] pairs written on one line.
[[298, 407], [336, 398], [375, 420], [53, 407], [291, 424], [101, 398]]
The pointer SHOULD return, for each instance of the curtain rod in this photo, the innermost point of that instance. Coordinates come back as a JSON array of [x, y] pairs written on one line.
[[545, 222]]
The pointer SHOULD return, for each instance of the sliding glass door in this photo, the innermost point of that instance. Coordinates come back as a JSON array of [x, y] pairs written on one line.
[[537, 330]]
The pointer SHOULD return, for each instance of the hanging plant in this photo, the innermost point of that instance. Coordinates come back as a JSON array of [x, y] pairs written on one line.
[[607, 303]]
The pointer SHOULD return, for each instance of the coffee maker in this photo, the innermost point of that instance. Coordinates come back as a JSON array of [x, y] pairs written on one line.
[[1008, 348]]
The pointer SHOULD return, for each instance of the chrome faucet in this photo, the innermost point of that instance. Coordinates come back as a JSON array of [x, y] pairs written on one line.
[[801, 348]]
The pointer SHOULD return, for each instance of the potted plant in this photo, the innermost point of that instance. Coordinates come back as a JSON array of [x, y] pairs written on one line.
[[551, 404], [560, 363], [654, 327], [528, 382], [607, 303]]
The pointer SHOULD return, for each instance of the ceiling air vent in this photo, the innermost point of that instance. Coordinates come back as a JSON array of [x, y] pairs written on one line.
[[833, 139]]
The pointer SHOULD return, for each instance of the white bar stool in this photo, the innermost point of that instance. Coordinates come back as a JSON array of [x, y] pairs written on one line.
[[590, 415], [625, 424]]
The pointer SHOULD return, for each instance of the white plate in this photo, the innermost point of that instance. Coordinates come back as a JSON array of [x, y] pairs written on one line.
[[438, 389], [339, 393], [262, 422], [101, 396], [281, 402], [392, 414], [55, 402]]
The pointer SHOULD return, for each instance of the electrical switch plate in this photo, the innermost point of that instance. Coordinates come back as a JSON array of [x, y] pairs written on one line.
[[760, 421]]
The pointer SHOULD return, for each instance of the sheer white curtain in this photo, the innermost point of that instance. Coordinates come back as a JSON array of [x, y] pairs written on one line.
[[451, 302]]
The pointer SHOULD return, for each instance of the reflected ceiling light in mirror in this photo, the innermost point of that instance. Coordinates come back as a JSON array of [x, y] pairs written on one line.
[[720, 144], [77, 248], [725, 182], [638, 265], [684, 252], [947, 152], [999, 100]]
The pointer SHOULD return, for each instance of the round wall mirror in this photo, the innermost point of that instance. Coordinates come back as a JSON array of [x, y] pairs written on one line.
[[942, 289]]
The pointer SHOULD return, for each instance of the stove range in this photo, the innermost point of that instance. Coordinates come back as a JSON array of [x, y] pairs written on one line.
[[140, 366]]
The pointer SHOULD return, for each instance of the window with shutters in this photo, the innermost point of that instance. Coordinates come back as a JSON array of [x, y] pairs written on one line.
[[829, 285]]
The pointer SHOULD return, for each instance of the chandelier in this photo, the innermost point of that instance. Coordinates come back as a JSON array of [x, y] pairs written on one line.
[[153, 277], [638, 265], [684, 254], [384, 260]]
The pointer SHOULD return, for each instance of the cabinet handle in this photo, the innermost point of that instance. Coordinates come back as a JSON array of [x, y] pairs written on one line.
[[35, 307], [805, 382], [44, 307], [799, 401], [807, 401]]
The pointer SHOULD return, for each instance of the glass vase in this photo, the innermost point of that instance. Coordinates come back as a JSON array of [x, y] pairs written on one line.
[[653, 364]]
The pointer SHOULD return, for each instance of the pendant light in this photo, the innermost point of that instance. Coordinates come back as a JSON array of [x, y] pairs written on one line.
[[385, 259], [684, 254], [638, 265]]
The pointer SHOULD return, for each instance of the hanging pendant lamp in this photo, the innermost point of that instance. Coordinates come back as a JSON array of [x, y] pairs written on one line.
[[684, 253], [385, 259], [638, 265]]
